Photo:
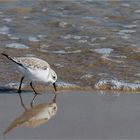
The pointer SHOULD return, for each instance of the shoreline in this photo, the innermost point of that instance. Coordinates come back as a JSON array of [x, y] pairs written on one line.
[[49, 90]]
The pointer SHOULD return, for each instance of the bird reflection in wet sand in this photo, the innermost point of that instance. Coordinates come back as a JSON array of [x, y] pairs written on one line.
[[35, 116]]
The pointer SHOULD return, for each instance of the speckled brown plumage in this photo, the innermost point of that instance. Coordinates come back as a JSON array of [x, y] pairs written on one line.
[[32, 62]]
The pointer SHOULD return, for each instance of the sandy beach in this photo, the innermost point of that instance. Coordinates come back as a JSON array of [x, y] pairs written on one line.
[[92, 45], [79, 116]]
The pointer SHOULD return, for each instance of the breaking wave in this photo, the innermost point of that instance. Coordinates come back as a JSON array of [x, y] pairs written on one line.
[[114, 84]]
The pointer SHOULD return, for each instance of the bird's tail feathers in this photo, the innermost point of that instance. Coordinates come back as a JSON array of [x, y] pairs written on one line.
[[10, 58]]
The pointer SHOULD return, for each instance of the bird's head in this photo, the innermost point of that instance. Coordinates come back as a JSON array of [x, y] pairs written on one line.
[[53, 79]]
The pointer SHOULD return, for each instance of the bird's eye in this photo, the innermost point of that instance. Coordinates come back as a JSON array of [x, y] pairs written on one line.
[[54, 108], [54, 77]]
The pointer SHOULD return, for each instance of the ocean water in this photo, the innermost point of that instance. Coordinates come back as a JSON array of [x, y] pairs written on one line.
[[89, 43]]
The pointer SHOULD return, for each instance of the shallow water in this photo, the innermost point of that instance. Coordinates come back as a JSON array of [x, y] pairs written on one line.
[[79, 115], [84, 41]]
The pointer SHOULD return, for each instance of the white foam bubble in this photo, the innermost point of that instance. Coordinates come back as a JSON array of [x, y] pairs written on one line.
[[33, 39], [130, 26], [103, 51], [69, 36], [44, 9], [93, 44], [119, 56], [7, 19], [59, 65], [137, 74], [126, 34], [127, 31], [41, 36], [63, 51], [26, 17], [86, 76], [137, 11], [66, 85], [1, 14], [44, 46], [93, 39], [102, 38], [14, 85], [4, 30], [114, 84], [135, 48], [17, 46], [83, 41], [103, 74], [63, 24], [12, 37], [125, 5]]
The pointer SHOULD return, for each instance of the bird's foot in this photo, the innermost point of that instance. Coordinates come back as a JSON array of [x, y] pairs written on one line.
[[36, 93], [19, 91]]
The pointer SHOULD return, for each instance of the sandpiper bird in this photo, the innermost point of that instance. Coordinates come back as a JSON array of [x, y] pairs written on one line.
[[34, 69]]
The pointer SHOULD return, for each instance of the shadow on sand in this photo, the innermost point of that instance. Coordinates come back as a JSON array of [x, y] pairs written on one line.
[[8, 90]]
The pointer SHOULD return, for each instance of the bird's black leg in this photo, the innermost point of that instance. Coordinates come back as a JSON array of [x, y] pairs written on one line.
[[34, 95], [19, 89], [31, 84], [19, 93]]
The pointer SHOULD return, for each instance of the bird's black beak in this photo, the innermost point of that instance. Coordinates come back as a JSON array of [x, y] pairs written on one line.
[[54, 85]]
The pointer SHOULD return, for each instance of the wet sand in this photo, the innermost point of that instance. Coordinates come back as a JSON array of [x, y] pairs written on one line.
[[80, 115], [89, 43]]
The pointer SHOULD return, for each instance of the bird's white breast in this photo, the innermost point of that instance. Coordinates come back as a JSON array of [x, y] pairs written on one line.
[[35, 75]]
